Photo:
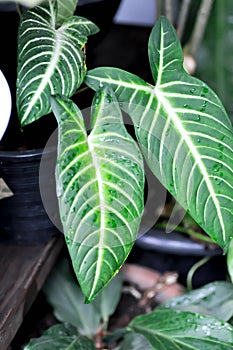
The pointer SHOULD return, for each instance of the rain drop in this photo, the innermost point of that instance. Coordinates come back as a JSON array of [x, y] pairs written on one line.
[[205, 90]]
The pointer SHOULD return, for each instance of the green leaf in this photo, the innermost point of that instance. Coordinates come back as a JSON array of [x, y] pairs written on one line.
[[64, 295], [62, 336], [230, 260], [50, 60], [173, 329], [215, 299], [66, 9], [183, 130], [136, 342], [100, 187], [215, 55]]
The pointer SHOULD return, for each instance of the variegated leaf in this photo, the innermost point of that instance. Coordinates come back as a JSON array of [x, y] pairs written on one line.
[[183, 129], [50, 60], [100, 187], [173, 329]]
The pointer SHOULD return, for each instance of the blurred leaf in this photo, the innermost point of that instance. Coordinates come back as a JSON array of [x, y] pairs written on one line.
[[215, 299], [135, 341], [215, 56], [108, 299], [230, 260], [65, 296], [61, 337]]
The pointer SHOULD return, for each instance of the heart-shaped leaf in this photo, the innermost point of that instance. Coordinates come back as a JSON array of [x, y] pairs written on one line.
[[173, 329], [50, 59], [61, 336], [183, 130], [100, 187]]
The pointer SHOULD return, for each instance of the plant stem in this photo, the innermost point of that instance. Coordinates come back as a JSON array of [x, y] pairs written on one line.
[[158, 8], [199, 26], [169, 10], [190, 232], [193, 270], [183, 14], [219, 47]]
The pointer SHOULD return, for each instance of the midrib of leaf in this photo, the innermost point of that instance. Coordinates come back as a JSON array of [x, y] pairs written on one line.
[[46, 76], [102, 214], [198, 159], [158, 335]]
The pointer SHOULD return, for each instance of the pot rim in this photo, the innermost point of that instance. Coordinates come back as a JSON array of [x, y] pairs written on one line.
[[34, 152], [174, 243]]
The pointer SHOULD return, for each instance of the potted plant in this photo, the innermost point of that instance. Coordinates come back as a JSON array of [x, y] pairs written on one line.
[[100, 174]]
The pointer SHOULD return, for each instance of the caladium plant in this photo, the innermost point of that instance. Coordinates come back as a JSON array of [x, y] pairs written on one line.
[[181, 126], [182, 132]]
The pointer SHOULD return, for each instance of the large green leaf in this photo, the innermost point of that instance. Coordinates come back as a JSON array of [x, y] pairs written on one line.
[[215, 298], [173, 329], [100, 187], [183, 129], [50, 59], [61, 336]]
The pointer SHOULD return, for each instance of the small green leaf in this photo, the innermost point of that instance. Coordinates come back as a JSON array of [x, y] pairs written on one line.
[[173, 329], [62, 336], [100, 188], [183, 130], [50, 59], [215, 299], [64, 295]]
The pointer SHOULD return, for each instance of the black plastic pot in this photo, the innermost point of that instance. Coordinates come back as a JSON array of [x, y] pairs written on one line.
[[177, 252], [23, 219]]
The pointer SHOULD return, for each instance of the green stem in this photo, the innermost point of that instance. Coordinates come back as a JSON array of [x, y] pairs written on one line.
[[219, 47], [193, 270], [169, 10], [187, 231], [183, 14], [199, 26]]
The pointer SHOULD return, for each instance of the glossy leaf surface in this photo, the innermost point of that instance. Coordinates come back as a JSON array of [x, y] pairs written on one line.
[[100, 187], [183, 130], [173, 329], [50, 60]]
